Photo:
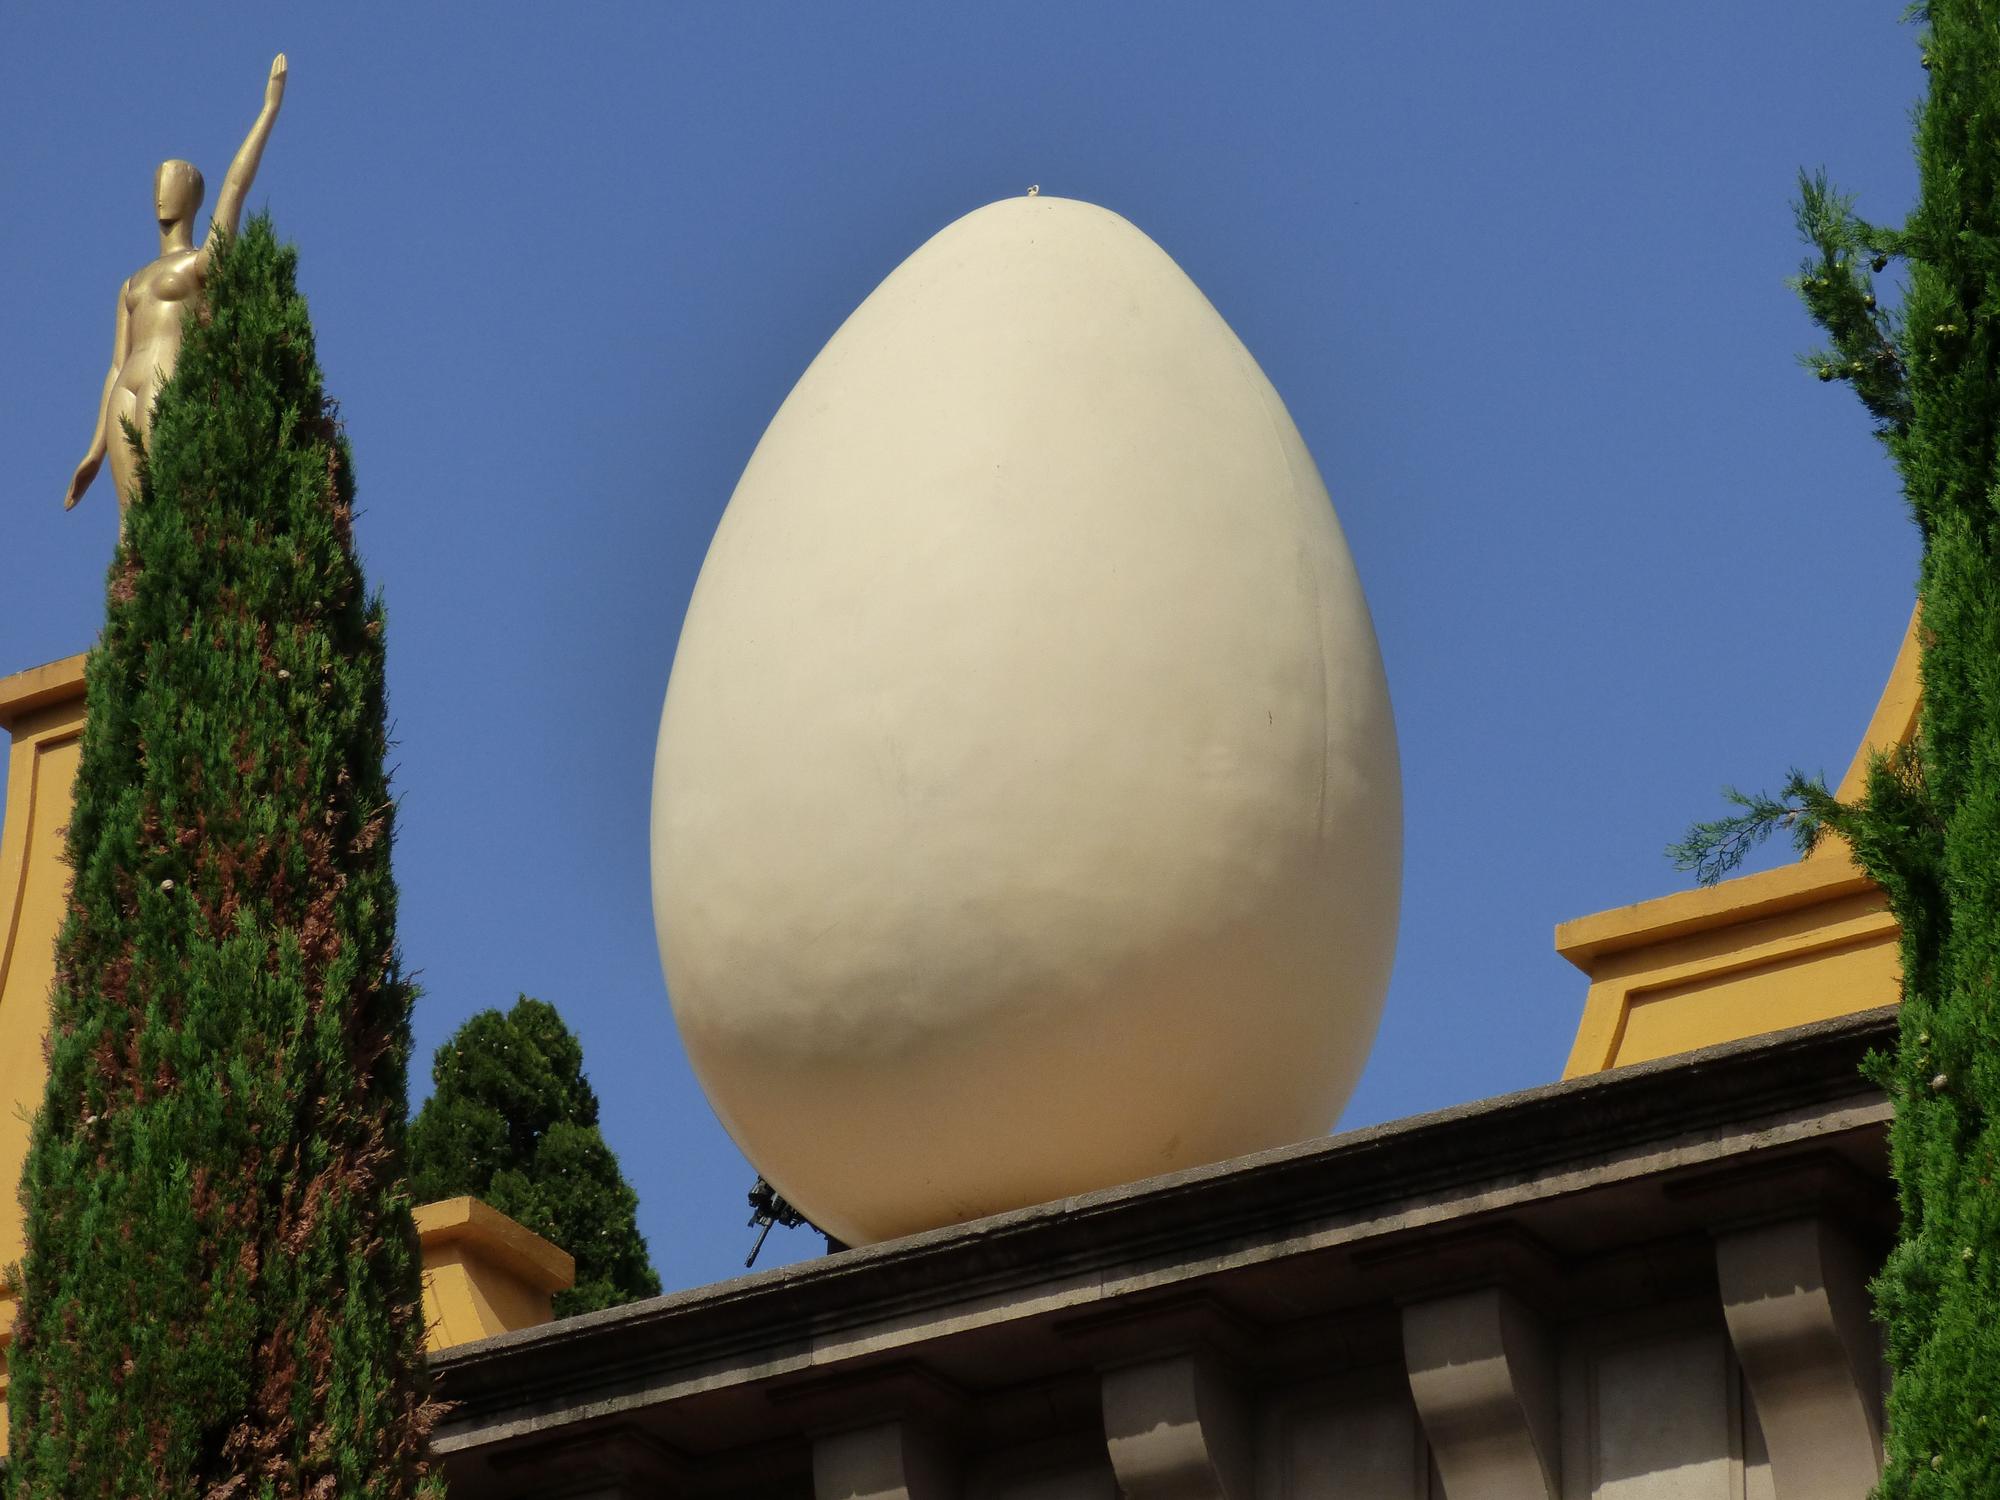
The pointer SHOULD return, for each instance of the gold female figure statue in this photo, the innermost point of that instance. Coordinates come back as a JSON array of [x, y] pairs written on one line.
[[153, 301]]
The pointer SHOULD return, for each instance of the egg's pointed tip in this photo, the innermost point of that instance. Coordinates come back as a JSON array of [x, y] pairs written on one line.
[[1040, 198], [1032, 214]]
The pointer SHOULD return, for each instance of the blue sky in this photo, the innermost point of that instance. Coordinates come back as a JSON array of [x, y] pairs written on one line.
[[1517, 271]]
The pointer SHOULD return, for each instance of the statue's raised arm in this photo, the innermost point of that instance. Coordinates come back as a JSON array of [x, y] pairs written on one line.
[[243, 170], [152, 303]]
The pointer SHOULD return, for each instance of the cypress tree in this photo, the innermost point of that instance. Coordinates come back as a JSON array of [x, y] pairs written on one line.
[[220, 1294], [1928, 828], [513, 1121]]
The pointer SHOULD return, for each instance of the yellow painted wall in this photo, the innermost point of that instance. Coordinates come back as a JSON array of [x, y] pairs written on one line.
[[483, 1273], [43, 709]]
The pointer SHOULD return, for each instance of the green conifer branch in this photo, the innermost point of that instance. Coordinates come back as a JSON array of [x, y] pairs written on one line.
[[1837, 285], [1714, 849]]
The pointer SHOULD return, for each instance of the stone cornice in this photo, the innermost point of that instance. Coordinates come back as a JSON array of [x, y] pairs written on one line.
[[1423, 1176]]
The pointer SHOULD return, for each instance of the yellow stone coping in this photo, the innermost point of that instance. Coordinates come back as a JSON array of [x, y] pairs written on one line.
[[38, 687], [479, 1229], [1585, 940], [1777, 948]]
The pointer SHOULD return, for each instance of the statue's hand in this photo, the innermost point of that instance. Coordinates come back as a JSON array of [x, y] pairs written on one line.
[[274, 91], [80, 481]]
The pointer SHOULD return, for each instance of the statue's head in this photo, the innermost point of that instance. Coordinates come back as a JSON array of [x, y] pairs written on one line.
[[177, 190]]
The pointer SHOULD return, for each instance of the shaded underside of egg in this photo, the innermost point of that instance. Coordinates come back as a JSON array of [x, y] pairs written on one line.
[[1026, 812]]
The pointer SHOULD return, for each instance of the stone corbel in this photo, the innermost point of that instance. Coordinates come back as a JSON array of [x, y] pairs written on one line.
[[1178, 1429], [1482, 1374], [900, 1459], [1796, 1298], [615, 1462]]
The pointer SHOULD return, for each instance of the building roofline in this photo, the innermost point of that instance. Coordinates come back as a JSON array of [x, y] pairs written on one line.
[[1447, 1157]]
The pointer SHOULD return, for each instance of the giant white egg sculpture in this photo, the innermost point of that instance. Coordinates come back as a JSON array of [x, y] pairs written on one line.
[[1026, 816]]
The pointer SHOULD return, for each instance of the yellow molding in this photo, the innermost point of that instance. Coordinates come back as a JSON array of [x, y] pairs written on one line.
[[484, 1273], [1804, 942], [40, 687], [478, 1226], [1586, 940]]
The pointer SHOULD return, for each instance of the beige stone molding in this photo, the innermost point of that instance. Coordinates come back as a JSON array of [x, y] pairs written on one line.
[[1000, 1334], [617, 1462], [1482, 1373], [1806, 1184], [895, 1460], [1177, 1429], [1796, 1298]]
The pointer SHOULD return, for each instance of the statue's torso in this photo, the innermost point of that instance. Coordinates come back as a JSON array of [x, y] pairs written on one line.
[[155, 301]]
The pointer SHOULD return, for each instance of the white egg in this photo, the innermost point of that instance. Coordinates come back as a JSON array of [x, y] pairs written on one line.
[[1026, 816]]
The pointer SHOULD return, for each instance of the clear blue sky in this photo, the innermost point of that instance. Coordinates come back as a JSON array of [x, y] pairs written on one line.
[[1517, 270]]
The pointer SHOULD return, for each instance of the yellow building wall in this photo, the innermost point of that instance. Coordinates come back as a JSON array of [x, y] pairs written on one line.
[[1805, 942], [483, 1272], [43, 711]]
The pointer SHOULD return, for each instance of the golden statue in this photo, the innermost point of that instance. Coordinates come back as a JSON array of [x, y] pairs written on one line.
[[155, 298]]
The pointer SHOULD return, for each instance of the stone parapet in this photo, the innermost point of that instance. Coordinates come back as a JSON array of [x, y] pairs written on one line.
[[1544, 1293]]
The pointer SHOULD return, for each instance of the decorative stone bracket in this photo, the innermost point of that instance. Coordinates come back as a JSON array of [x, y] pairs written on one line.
[[1796, 1298], [895, 1460], [1177, 1429], [1482, 1373]]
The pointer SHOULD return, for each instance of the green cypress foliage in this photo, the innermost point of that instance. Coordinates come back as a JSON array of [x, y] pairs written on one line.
[[514, 1121], [1928, 829], [220, 1295]]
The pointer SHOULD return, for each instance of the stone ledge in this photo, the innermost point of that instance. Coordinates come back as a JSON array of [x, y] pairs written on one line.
[[1421, 1175]]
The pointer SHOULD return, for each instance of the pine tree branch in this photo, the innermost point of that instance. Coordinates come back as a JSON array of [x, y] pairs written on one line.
[[1837, 285], [1713, 849]]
